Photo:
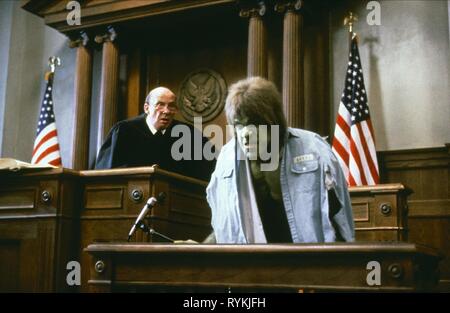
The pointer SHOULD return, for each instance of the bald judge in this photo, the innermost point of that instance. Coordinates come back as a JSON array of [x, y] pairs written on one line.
[[147, 139]]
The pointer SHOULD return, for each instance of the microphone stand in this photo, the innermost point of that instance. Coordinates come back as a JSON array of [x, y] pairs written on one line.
[[148, 230]]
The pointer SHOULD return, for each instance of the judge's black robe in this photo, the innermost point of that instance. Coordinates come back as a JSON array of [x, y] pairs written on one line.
[[130, 143]]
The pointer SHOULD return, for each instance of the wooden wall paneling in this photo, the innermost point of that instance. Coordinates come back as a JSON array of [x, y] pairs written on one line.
[[434, 232], [316, 70], [217, 48], [217, 42], [426, 172], [412, 180], [136, 82], [152, 74], [433, 183]]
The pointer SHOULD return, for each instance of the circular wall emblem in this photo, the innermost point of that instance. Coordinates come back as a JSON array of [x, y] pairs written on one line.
[[202, 93]]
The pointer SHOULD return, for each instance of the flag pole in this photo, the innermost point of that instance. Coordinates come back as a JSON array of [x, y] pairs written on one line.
[[349, 20]]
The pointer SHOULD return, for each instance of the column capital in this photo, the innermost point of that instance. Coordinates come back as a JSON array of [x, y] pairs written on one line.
[[109, 35], [252, 8], [288, 5], [78, 40]]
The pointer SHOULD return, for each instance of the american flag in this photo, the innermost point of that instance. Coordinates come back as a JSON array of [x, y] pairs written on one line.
[[353, 141], [46, 146]]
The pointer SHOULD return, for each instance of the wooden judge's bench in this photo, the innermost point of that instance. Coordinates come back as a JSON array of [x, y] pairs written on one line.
[[51, 217], [402, 267], [47, 218]]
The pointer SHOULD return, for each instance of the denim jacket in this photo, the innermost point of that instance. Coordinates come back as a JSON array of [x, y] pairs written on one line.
[[309, 175]]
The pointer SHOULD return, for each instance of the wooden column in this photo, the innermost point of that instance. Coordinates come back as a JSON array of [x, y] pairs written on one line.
[[109, 96], [257, 40], [82, 114], [293, 90]]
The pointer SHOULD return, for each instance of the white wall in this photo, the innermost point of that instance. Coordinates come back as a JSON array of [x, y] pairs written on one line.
[[406, 70], [5, 38], [31, 44]]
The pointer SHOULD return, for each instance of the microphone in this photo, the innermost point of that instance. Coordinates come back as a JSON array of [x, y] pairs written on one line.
[[148, 206]]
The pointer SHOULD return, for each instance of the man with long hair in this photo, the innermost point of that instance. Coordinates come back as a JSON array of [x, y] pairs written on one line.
[[273, 183]]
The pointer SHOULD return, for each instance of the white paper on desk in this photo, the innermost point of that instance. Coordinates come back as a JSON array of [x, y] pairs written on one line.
[[14, 165]]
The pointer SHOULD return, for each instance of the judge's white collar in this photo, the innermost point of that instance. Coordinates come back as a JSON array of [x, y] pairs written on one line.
[[152, 128]]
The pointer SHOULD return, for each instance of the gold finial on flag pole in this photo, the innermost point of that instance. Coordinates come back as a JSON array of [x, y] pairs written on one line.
[[53, 62], [349, 21]]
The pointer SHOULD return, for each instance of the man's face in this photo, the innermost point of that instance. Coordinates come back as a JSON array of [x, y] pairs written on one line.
[[162, 109], [251, 138]]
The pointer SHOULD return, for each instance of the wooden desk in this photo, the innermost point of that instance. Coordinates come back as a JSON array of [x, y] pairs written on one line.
[[380, 212], [47, 218], [112, 199], [318, 267], [38, 229]]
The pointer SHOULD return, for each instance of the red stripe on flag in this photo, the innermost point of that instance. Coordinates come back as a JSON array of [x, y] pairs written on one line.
[[343, 125], [51, 134], [47, 152], [372, 168], [369, 124], [355, 154], [56, 162], [351, 180], [340, 150]]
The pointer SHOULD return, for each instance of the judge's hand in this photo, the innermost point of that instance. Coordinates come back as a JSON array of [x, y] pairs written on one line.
[[187, 242]]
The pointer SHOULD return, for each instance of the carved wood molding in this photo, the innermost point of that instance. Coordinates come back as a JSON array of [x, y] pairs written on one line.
[[97, 13], [202, 94], [252, 8], [415, 158], [82, 39], [380, 188], [289, 5], [110, 35]]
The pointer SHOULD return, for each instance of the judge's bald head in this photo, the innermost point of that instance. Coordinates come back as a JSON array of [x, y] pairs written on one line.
[[160, 106], [154, 94]]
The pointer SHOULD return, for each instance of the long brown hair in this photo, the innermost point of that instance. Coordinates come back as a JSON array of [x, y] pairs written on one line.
[[257, 99]]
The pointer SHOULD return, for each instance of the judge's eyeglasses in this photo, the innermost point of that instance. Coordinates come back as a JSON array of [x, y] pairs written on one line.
[[160, 106]]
